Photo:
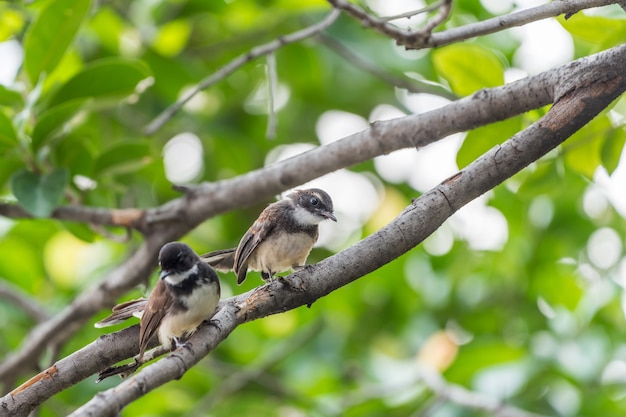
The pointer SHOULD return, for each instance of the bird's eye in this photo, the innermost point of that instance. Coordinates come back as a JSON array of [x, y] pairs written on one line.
[[314, 201]]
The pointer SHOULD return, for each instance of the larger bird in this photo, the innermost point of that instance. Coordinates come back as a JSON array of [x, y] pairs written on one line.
[[186, 294], [280, 239]]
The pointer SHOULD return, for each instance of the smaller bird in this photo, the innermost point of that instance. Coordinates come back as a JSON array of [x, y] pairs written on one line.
[[280, 239], [186, 294]]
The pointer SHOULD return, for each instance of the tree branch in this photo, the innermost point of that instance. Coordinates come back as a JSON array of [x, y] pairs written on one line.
[[29, 305], [581, 97], [207, 200], [425, 39], [233, 65]]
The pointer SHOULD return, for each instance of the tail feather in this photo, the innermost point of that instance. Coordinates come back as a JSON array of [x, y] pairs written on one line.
[[222, 260], [123, 311]]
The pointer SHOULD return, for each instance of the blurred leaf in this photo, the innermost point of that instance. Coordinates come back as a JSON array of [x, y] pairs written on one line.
[[10, 97], [39, 194], [172, 37], [122, 157], [582, 150], [601, 32], [479, 355], [108, 26], [613, 148], [11, 22], [76, 151], [108, 78], [8, 137], [50, 35], [81, 231], [468, 67], [52, 120], [544, 179], [480, 140]]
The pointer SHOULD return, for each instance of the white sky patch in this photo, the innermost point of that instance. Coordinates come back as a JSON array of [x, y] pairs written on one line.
[[182, 156], [11, 56], [497, 7], [595, 202], [397, 167], [440, 242], [482, 226], [336, 124], [544, 45], [604, 247], [435, 162], [513, 74], [541, 211], [420, 102], [613, 186], [385, 112]]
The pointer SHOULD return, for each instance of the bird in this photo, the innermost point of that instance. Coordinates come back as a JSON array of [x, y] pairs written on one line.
[[186, 294], [280, 239]]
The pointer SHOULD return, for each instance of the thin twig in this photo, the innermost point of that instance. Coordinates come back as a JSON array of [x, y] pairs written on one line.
[[412, 86], [236, 63], [439, 18], [413, 13], [31, 307], [272, 89], [469, 399], [425, 39]]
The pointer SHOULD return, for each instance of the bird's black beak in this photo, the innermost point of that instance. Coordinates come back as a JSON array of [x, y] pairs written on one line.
[[328, 215], [164, 273]]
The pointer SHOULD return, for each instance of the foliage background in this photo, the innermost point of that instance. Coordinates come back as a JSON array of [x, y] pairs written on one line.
[[534, 316]]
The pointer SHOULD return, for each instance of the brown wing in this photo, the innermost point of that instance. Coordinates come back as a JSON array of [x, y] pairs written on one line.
[[158, 304], [122, 312], [222, 260], [261, 228]]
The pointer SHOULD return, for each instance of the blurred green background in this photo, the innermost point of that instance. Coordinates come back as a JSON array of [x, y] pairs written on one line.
[[518, 296]]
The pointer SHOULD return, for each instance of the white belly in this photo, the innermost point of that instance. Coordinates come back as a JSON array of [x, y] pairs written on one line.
[[202, 303], [278, 255]]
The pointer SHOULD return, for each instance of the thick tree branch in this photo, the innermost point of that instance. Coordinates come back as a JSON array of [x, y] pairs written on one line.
[[581, 98], [425, 39], [174, 219], [131, 218], [236, 63]]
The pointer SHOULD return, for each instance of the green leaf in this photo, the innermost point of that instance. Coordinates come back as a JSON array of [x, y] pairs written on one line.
[[11, 22], [468, 67], [123, 157], [600, 32], [81, 231], [52, 120], [612, 149], [480, 140], [582, 149], [109, 78], [39, 194], [10, 97], [51, 34], [8, 137]]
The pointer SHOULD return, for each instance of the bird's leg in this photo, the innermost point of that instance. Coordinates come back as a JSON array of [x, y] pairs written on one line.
[[267, 276], [178, 343]]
